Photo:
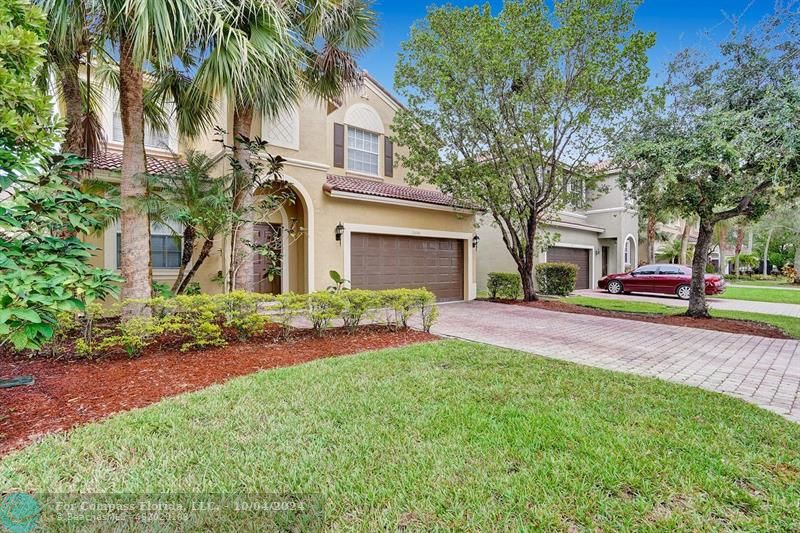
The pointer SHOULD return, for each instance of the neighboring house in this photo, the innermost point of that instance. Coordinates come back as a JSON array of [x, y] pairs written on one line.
[[599, 240], [341, 165]]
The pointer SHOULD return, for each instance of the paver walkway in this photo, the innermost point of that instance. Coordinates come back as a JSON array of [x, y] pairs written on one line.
[[721, 304], [760, 370]]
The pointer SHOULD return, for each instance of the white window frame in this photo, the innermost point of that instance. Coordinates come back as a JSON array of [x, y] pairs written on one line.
[[292, 114], [110, 251], [110, 111], [376, 154]]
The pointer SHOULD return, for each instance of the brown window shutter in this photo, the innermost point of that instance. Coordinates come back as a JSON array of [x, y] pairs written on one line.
[[388, 157], [338, 145]]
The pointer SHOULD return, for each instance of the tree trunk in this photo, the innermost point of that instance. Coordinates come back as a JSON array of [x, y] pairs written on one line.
[[242, 269], [651, 237], [205, 251], [766, 253], [528, 287], [796, 279], [687, 231], [697, 300], [136, 266], [738, 249], [73, 104], [189, 236]]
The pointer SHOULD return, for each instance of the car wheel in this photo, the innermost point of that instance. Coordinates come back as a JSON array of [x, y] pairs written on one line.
[[614, 287], [684, 292]]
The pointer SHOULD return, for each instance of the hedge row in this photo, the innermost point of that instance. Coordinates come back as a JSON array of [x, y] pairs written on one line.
[[201, 321]]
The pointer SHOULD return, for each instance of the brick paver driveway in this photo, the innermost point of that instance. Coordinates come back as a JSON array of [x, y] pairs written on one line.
[[760, 370]]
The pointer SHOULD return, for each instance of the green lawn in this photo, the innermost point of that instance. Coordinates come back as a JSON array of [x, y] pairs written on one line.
[[785, 296], [448, 435], [788, 324], [780, 282]]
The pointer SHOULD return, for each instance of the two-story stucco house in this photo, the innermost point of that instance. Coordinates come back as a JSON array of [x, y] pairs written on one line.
[[341, 165], [600, 240]]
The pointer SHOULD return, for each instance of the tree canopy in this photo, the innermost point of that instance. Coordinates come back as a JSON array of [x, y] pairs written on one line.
[[507, 111], [720, 139]]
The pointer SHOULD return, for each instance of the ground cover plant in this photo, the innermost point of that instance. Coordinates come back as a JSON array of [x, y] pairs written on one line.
[[448, 435]]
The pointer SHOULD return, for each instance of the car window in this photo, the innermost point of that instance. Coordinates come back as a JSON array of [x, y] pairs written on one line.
[[670, 271], [645, 270]]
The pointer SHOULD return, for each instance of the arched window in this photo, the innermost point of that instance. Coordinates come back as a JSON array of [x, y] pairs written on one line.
[[629, 254], [283, 130]]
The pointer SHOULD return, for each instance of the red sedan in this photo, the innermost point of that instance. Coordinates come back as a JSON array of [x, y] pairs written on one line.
[[661, 279]]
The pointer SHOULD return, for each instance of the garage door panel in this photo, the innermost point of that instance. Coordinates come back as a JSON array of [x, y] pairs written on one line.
[[392, 261], [579, 257]]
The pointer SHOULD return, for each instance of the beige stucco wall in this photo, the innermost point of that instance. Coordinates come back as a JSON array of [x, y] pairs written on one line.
[[314, 253]]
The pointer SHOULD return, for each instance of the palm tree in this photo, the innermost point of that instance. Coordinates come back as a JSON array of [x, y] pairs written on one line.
[[143, 33], [198, 202], [261, 55]]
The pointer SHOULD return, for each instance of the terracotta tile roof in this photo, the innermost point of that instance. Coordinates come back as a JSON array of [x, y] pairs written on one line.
[[387, 190], [155, 166]]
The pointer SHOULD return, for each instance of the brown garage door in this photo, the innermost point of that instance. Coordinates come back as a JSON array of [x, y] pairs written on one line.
[[393, 262], [578, 257]]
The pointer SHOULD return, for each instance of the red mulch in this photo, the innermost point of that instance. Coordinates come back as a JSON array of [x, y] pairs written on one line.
[[727, 325], [71, 392]]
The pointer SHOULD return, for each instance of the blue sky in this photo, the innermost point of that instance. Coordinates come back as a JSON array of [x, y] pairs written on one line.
[[677, 24]]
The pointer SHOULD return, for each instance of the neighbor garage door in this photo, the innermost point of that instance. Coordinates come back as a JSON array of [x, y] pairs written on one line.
[[578, 257], [393, 262]]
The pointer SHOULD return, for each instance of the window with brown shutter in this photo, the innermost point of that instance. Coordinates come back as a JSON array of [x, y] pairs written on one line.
[[388, 158], [338, 145]]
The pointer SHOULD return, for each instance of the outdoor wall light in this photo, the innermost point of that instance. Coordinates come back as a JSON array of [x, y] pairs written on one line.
[[475, 241], [339, 232]]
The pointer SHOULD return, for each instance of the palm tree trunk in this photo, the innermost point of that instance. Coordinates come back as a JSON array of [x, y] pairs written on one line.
[[766, 253], [739, 246], [205, 251], [136, 265], [73, 103], [697, 299], [189, 237], [651, 237], [242, 270], [687, 231], [796, 279]]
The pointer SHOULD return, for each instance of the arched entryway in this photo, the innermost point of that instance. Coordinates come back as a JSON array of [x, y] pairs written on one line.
[[290, 227]]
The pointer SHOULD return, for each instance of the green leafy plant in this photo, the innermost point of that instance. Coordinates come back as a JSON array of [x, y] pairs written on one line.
[[322, 308], [556, 279], [339, 283], [290, 306], [358, 304], [162, 290], [506, 285]]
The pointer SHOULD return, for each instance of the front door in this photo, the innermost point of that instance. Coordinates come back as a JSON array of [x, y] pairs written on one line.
[[266, 266]]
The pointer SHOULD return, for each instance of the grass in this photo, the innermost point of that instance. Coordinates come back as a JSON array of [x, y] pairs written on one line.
[[754, 294], [448, 435], [790, 325], [779, 282]]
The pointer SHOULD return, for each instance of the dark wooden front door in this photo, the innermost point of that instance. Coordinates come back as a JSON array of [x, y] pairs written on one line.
[[262, 265], [578, 257], [393, 262]]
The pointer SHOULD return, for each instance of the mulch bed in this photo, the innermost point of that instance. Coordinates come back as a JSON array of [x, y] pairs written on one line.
[[68, 392], [727, 325]]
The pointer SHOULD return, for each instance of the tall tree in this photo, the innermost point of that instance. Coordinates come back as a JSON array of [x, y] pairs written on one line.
[[506, 112], [261, 55], [41, 273], [144, 32], [722, 143]]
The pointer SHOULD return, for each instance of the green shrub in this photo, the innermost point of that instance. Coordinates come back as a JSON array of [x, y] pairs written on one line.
[[557, 279], [402, 304], [323, 307], [357, 305], [193, 289], [505, 285], [289, 307], [242, 312]]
